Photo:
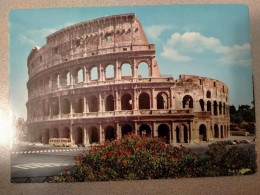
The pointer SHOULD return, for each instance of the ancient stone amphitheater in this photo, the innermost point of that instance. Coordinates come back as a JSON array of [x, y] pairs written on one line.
[[85, 84]]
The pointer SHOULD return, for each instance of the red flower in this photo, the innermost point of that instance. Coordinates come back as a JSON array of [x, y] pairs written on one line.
[[120, 179], [154, 155], [66, 169], [124, 163], [69, 177]]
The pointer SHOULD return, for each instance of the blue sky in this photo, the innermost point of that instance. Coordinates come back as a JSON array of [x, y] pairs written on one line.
[[205, 40]]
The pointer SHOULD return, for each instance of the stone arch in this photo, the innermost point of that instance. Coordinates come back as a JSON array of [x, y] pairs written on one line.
[[109, 103], [126, 71], [80, 76], [65, 108], [56, 80], [220, 108], [144, 101], [110, 72], [78, 136], [110, 133], [54, 133], [187, 101], [224, 108], [202, 105], [143, 70], [203, 132], [208, 94], [93, 135], [94, 73], [215, 108], [221, 131], [93, 104], [79, 105], [162, 101], [46, 136], [40, 85], [55, 106], [144, 129], [208, 106], [47, 83], [216, 131], [126, 102], [163, 131], [126, 129], [65, 132], [185, 134], [68, 78]]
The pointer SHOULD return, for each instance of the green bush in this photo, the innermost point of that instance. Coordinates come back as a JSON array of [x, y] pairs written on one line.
[[134, 157]]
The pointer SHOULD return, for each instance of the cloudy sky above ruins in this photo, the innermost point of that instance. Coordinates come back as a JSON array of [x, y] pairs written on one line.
[[205, 40]]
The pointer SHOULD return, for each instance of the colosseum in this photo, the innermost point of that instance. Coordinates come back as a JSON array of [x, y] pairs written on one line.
[[85, 84]]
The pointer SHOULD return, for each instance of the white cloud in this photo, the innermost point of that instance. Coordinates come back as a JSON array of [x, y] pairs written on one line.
[[185, 47], [154, 31]]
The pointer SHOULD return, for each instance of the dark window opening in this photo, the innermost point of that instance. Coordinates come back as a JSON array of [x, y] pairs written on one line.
[[144, 101]]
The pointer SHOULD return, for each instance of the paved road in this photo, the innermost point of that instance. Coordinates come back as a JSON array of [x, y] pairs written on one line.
[[35, 161]]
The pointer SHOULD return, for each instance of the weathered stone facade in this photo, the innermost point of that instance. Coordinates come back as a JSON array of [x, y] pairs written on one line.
[[72, 95]]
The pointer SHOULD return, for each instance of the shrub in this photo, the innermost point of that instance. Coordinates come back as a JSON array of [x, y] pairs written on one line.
[[134, 157]]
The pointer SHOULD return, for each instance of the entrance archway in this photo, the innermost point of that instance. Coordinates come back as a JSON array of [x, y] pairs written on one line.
[[144, 130], [78, 136], [109, 133], [216, 132], [65, 132], [203, 132], [126, 129], [163, 131], [93, 135], [45, 136]]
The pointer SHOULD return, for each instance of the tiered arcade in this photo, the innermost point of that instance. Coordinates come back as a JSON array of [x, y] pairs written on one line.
[[88, 84]]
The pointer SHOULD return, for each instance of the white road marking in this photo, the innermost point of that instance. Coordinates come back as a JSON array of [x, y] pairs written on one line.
[[40, 165], [51, 150]]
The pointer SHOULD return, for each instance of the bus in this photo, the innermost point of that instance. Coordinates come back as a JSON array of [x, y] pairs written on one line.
[[64, 142]]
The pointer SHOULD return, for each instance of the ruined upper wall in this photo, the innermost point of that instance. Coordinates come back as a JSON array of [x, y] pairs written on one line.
[[117, 33]]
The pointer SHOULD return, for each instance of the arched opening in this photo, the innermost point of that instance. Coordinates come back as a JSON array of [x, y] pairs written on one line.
[[110, 72], [220, 108], [126, 102], [56, 80], [65, 106], [221, 131], [55, 133], [178, 135], [110, 103], [93, 135], [65, 132], [47, 83], [216, 132], [163, 131], [162, 102], [46, 136], [144, 130], [126, 129], [187, 102], [143, 70], [55, 107], [203, 132], [80, 76], [224, 108], [126, 72], [68, 81], [202, 104], [94, 74], [40, 85], [78, 136], [109, 133], [208, 106], [215, 108], [185, 134], [93, 104], [79, 105], [208, 95], [144, 101]]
